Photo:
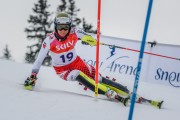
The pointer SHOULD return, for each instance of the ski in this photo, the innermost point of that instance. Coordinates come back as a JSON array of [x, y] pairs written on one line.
[[157, 104], [124, 101]]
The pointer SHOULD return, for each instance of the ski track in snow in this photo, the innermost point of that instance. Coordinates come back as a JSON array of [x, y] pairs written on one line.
[[55, 99]]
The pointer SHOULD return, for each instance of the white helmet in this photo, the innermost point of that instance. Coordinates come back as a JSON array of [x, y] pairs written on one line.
[[62, 20]]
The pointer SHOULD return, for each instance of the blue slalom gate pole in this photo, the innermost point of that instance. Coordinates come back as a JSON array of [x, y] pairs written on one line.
[[140, 60]]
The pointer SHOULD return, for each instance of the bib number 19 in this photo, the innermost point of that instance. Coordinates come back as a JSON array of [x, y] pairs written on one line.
[[67, 57]]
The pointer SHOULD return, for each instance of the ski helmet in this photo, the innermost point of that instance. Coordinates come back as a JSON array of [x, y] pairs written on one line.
[[62, 21]]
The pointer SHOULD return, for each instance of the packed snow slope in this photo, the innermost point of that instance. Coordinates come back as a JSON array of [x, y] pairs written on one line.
[[55, 99]]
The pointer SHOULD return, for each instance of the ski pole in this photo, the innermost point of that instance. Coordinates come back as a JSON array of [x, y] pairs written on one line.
[[139, 51]]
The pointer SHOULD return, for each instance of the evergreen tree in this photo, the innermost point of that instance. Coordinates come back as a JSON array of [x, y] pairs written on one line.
[[6, 53], [62, 7], [40, 26], [72, 10], [88, 27]]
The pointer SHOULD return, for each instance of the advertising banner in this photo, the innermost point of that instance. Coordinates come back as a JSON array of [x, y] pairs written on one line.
[[160, 62]]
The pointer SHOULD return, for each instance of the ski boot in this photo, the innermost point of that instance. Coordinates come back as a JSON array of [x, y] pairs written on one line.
[[112, 95]]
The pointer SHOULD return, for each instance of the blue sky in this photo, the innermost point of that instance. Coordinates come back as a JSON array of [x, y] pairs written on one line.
[[120, 18]]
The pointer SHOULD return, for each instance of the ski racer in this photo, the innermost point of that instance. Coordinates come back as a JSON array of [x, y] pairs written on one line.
[[69, 66]]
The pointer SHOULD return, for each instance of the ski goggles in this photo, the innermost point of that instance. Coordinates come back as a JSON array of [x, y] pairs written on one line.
[[63, 27], [63, 20]]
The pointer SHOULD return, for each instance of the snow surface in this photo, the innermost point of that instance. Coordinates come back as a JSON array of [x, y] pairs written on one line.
[[55, 99]]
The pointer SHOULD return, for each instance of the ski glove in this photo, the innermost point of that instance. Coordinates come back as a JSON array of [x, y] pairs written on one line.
[[87, 39], [30, 81]]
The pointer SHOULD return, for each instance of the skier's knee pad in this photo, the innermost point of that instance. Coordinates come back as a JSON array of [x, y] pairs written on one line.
[[73, 75], [120, 89]]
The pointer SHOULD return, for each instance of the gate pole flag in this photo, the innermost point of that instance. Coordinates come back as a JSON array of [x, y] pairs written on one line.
[[140, 60], [97, 47]]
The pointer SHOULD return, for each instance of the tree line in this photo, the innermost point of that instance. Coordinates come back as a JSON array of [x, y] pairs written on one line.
[[41, 23]]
